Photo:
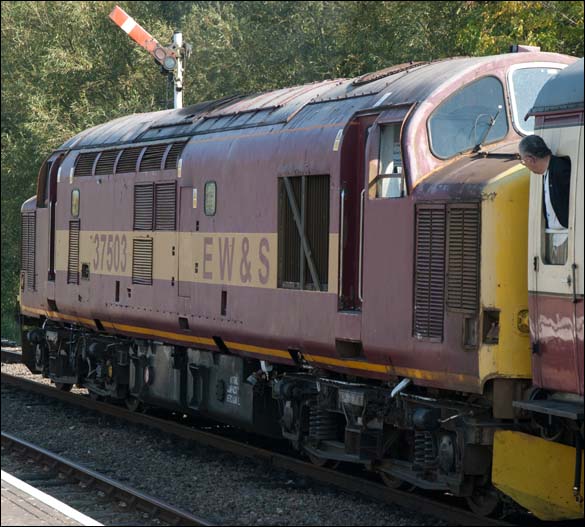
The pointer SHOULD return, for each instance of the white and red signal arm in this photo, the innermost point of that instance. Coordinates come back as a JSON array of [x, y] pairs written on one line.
[[166, 57]]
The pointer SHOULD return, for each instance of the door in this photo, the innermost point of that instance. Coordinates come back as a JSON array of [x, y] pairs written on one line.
[[187, 224], [579, 263], [388, 218], [352, 179], [555, 275], [53, 171]]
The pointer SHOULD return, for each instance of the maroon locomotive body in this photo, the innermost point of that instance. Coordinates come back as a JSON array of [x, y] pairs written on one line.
[[322, 263]]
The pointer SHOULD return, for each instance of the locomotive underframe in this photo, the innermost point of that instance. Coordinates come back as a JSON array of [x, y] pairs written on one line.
[[432, 440]]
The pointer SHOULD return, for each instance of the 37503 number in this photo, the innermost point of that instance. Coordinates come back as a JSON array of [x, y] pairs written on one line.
[[110, 252]]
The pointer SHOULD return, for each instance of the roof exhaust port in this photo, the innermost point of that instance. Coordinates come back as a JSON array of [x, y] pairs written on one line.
[[521, 48]]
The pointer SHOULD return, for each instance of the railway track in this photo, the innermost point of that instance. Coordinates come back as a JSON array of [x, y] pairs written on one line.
[[346, 482], [90, 487]]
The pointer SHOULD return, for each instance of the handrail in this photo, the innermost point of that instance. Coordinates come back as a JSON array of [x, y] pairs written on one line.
[[361, 255], [341, 234]]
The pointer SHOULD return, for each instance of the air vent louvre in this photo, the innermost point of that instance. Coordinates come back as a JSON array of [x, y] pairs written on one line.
[[429, 280], [143, 207], [173, 155], [152, 158], [166, 206], [142, 261], [73, 259], [28, 248], [294, 270], [128, 159], [84, 164], [463, 258], [105, 164]]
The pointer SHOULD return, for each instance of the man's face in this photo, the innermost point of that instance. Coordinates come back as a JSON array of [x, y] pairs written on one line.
[[533, 163]]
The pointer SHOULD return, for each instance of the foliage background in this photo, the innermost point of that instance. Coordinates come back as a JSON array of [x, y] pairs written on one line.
[[67, 67]]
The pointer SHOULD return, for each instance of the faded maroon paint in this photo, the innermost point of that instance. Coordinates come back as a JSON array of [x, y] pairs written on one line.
[[556, 330]]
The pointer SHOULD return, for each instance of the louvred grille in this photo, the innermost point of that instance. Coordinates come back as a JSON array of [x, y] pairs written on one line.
[[173, 155], [152, 158], [128, 159], [73, 259], [143, 207], [463, 258], [293, 266], [84, 164], [289, 249], [142, 261], [105, 164], [317, 228], [27, 248], [166, 206], [429, 283]]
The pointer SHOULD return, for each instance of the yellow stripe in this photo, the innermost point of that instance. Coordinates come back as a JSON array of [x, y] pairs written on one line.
[[256, 349], [54, 314], [393, 370], [352, 364], [167, 334]]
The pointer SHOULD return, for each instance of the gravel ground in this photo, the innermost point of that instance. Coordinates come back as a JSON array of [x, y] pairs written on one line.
[[221, 487]]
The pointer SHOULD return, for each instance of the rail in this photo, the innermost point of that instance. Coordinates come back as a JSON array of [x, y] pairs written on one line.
[[134, 498]]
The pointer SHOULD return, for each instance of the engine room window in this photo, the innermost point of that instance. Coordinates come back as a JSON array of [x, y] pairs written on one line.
[[465, 119], [390, 180], [210, 198], [303, 232], [525, 83], [75, 203]]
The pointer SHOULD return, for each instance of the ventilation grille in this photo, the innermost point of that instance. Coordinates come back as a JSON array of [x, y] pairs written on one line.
[[173, 155], [73, 260], [166, 206], [142, 261], [317, 227], [152, 158], [128, 160], [105, 164], [289, 241], [294, 269], [143, 207], [429, 281], [28, 224], [463, 258], [84, 164]]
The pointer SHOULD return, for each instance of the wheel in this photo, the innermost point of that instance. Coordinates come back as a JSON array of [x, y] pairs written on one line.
[[485, 502], [395, 483], [323, 462], [63, 386], [133, 404]]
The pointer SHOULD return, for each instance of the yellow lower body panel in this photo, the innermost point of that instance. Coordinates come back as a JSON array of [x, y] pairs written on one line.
[[538, 474]]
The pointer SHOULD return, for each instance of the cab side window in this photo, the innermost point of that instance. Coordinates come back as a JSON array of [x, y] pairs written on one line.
[[390, 180], [556, 188]]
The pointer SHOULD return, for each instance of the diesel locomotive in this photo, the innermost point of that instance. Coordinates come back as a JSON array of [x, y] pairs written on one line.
[[341, 264]]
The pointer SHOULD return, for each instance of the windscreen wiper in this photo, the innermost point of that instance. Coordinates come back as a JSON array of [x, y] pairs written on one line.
[[493, 119]]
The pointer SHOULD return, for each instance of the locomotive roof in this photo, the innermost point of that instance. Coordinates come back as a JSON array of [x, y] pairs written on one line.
[[316, 104], [563, 92]]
